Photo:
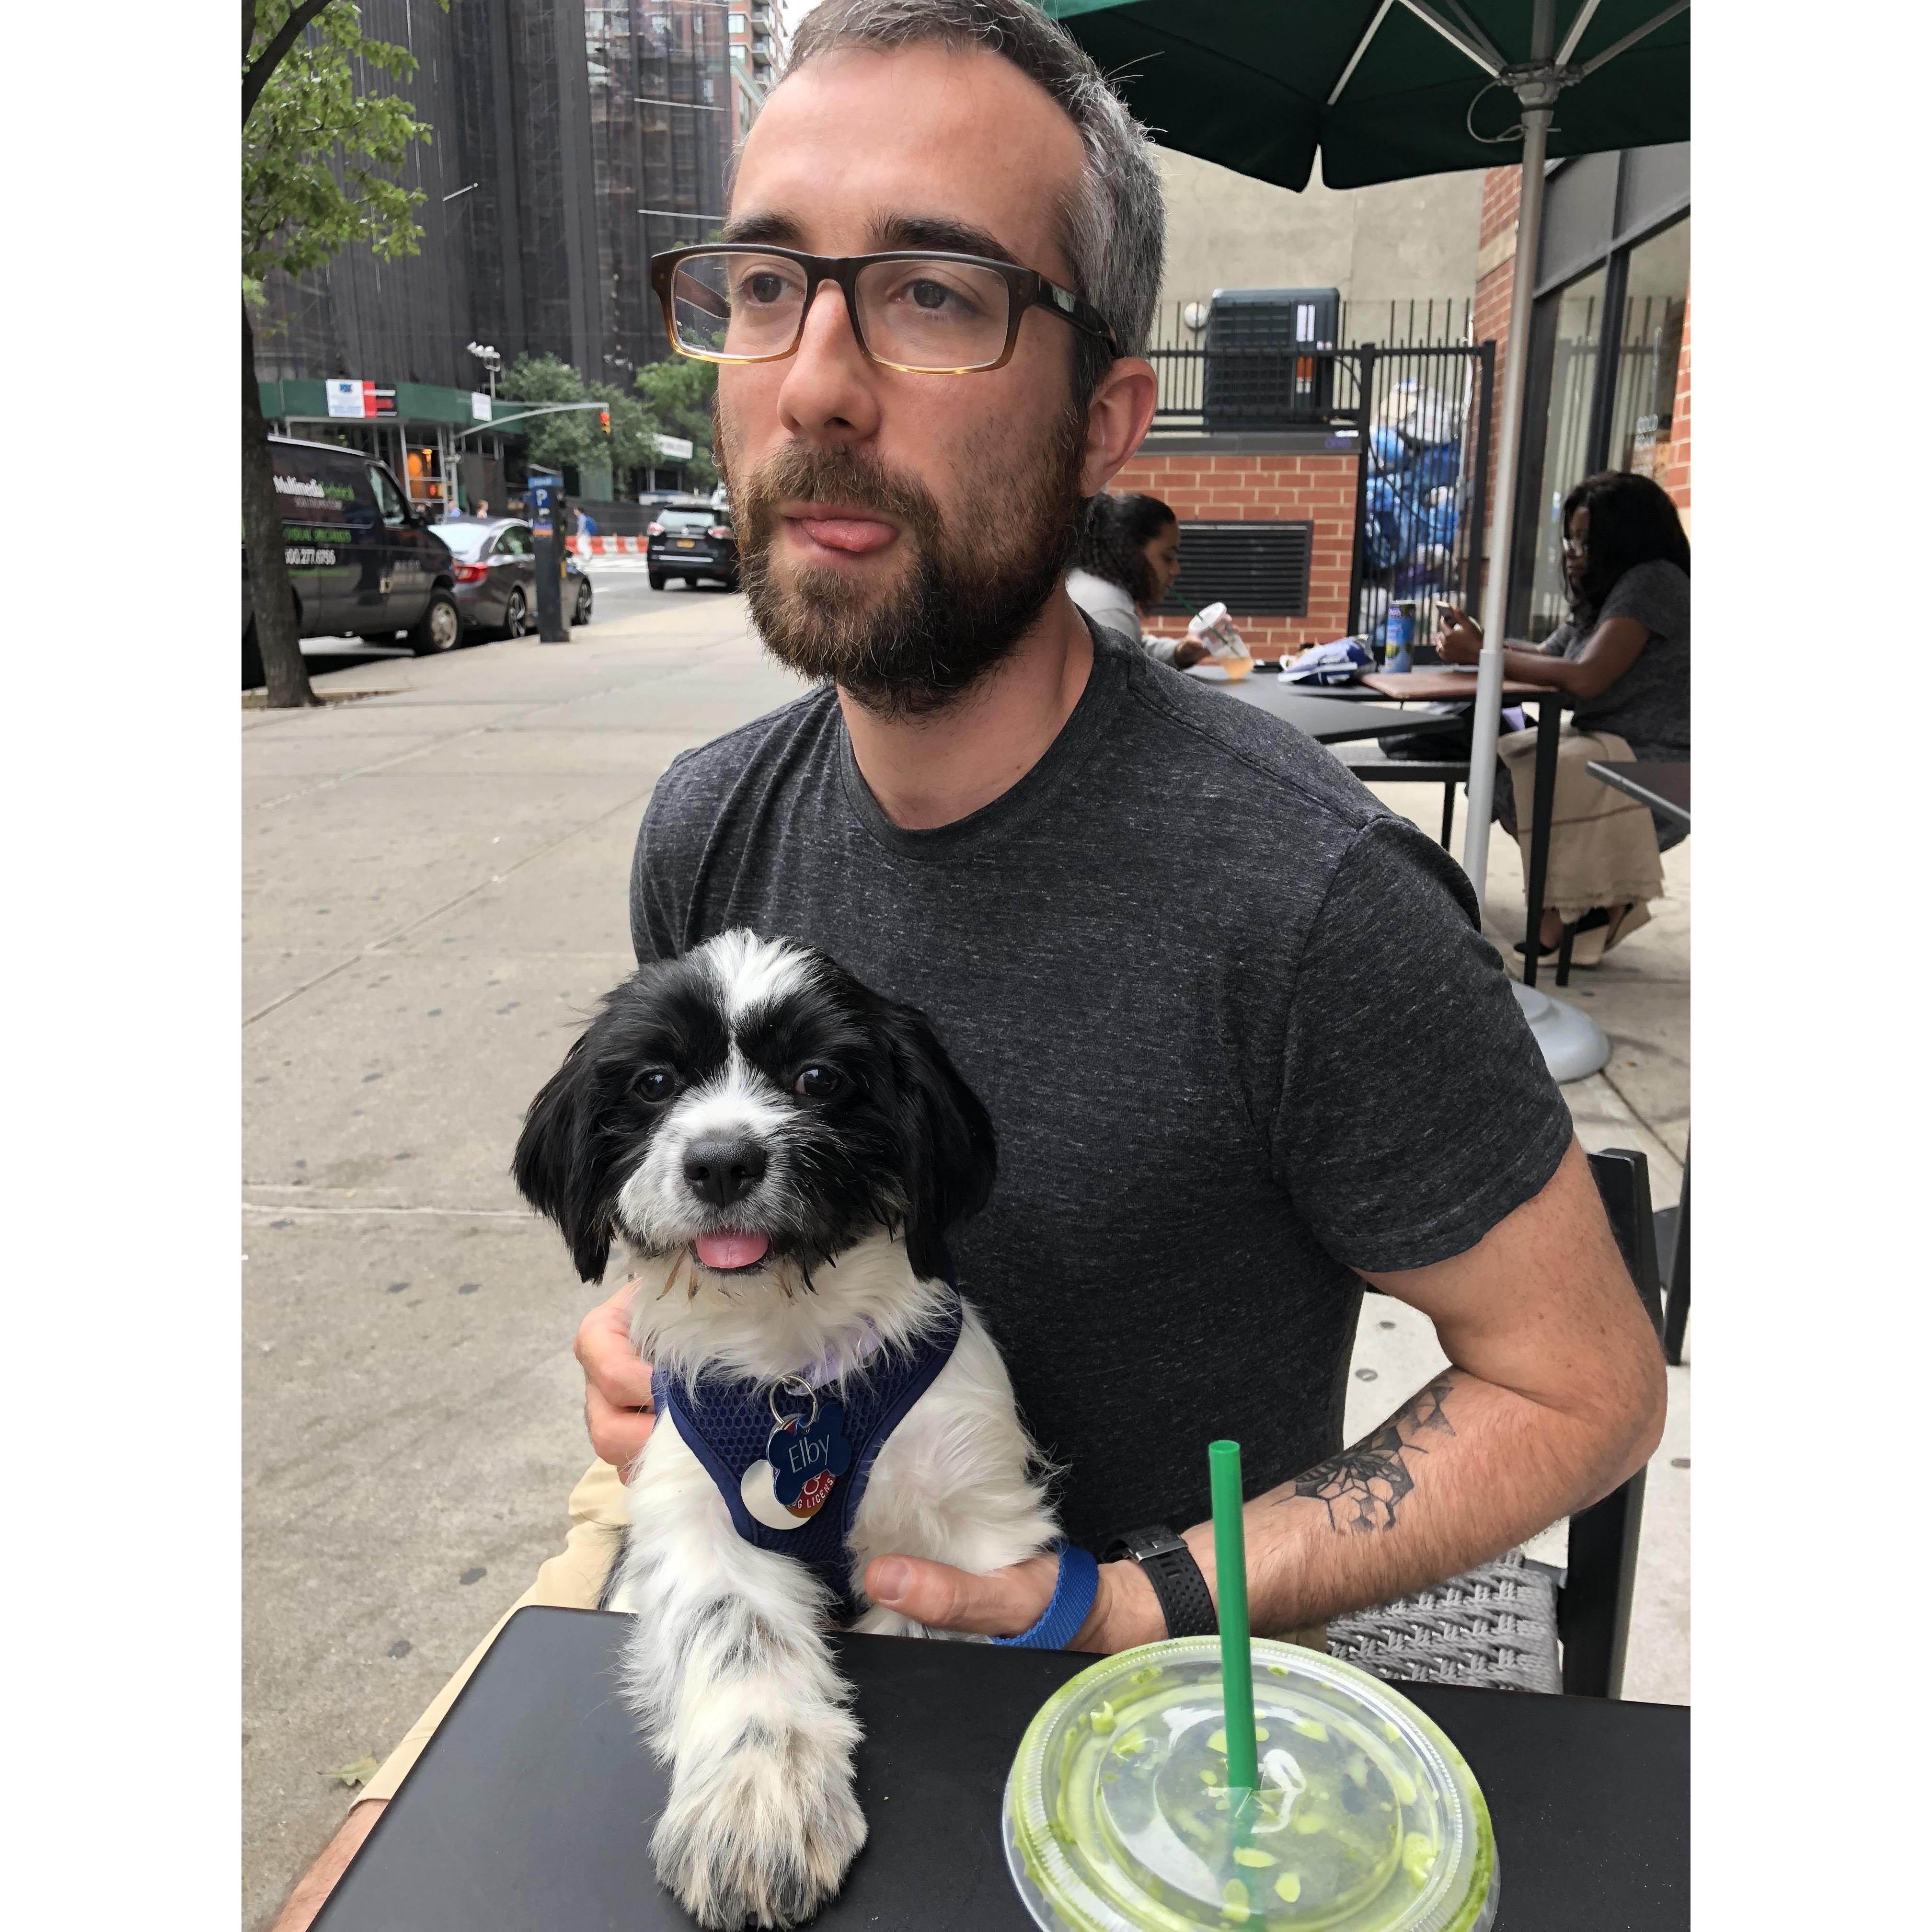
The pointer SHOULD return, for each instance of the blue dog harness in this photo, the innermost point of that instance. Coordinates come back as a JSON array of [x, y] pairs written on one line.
[[819, 1445]]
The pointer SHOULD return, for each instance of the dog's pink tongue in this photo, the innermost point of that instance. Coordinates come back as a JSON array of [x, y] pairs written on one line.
[[730, 1251]]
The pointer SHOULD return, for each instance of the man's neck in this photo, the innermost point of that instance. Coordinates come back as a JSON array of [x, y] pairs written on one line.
[[935, 770]]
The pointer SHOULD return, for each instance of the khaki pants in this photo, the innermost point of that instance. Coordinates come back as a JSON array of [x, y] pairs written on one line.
[[574, 1579]]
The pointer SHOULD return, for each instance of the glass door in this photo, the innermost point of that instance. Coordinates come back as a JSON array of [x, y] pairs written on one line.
[[1565, 457], [1656, 289]]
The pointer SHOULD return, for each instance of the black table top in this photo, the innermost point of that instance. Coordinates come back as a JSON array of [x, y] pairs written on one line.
[[1323, 718], [1663, 784], [530, 1809]]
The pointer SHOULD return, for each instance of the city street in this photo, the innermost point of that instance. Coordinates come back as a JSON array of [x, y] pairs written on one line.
[[620, 587], [436, 864]]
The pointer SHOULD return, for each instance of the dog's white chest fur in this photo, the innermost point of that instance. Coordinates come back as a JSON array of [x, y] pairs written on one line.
[[954, 1482]]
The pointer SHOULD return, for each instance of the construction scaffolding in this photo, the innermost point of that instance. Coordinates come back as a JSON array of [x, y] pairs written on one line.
[[661, 132]]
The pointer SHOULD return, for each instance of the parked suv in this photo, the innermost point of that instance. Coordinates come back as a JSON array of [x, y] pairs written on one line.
[[361, 561], [690, 539]]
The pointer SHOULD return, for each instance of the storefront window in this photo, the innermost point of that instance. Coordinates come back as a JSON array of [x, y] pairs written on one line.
[[1566, 444], [1659, 279]]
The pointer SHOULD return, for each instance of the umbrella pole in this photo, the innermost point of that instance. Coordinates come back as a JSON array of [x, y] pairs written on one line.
[[1486, 722]]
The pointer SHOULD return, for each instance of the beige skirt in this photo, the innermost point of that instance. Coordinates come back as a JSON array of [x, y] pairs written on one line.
[[1603, 845]]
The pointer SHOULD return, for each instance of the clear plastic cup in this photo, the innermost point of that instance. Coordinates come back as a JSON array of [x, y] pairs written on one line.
[[1211, 627], [1118, 1817]]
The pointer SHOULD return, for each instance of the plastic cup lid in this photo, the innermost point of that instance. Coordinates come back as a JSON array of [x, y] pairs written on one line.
[[1118, 1817]]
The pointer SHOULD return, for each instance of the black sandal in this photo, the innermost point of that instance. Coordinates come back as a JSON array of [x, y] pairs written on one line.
[[1596, 917]]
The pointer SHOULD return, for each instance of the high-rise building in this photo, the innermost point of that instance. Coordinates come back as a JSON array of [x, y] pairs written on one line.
[[760, 33], [662, 127], [571, 140]]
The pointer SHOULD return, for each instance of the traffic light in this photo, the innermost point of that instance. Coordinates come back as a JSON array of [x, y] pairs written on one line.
[[604, 421]]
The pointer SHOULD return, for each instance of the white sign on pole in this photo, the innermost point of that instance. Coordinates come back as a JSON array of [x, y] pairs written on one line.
[[677, 448], [479, 406], [346, 397]]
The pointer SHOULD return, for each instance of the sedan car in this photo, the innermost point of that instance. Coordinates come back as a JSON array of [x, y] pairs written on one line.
[[691, 540], [496, 575]]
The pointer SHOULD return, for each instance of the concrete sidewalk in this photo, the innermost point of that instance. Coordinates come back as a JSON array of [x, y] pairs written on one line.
[[434, 884], [435, 887]]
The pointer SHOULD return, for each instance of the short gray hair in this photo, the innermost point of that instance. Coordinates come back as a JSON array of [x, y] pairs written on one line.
[[1114, 224]]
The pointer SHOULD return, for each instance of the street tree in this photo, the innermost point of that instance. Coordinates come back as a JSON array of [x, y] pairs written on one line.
[[319, 141], [577, 438], [678, 393]]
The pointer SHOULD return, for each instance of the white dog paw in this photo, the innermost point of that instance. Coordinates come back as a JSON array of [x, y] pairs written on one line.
[[762, 1836]]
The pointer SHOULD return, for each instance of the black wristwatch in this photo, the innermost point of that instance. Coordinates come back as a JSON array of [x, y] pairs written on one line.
[[1168, 1565]]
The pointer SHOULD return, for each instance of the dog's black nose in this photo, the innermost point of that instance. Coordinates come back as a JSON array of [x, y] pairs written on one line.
[[722, 1172]]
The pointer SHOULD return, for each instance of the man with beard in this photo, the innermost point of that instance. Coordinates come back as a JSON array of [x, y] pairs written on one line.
[[1240, 1058]]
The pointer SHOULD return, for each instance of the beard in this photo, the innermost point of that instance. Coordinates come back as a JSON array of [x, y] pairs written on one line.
[[961, 602]]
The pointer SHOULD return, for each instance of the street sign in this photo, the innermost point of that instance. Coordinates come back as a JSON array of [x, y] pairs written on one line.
[[347, 397], [677, 448], [479, 406]]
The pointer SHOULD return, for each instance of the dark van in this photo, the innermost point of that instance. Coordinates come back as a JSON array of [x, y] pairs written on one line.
[[360, 559]]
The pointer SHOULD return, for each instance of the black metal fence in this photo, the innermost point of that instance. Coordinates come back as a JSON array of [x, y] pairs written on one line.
[[1422, 487], [1180, 350]]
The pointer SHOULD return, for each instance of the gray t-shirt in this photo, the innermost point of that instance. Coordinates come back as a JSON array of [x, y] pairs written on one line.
[[1650, 705], [1236, 1024]]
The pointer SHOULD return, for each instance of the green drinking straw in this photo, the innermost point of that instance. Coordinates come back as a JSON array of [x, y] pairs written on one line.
[[1231, 1579]]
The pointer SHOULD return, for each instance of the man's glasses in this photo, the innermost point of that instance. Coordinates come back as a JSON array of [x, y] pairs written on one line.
[[929, 314]]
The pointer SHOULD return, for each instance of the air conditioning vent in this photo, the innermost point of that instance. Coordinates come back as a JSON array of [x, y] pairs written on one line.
[[1257, 569]]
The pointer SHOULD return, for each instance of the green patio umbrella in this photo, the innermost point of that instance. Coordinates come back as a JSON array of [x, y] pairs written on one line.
[[1388, 89]]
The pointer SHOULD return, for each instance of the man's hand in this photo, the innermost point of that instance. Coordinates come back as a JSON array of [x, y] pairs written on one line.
[[1126, 1611], [617, 1409], [1459, 640], [1188, 653]]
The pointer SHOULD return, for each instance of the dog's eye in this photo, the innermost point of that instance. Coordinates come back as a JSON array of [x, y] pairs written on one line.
[[818, 1083], [659, 1084]]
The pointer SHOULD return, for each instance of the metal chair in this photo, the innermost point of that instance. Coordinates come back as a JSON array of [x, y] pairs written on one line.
[[1504, 1625]]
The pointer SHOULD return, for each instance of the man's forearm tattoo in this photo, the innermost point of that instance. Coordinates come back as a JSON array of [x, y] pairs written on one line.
[[1361, 1486]]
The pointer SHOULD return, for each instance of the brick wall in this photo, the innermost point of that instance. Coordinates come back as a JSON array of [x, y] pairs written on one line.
[[1495, 283], [1204, 486], [1677, 473]]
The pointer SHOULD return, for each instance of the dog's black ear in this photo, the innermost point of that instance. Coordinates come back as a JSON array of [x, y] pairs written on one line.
[[554, 1167], [947, 1134]]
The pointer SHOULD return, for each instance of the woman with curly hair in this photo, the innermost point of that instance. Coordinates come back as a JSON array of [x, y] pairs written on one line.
[[1125, 561], [1624, 654]]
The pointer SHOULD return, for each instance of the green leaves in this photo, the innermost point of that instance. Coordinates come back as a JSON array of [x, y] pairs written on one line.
[[576, 439], [360, 1772], [679, 394], [319, 146]]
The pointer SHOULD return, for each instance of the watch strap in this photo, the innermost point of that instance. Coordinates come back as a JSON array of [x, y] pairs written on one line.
[[1168, 1565]]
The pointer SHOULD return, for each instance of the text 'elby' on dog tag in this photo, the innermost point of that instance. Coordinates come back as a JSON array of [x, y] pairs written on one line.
[[805, 1456]]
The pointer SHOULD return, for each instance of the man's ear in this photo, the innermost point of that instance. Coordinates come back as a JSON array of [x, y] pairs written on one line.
[[554, 1168], [947, 1135], [1116, 419]]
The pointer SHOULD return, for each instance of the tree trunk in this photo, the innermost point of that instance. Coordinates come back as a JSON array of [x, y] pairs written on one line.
[[277, 634]]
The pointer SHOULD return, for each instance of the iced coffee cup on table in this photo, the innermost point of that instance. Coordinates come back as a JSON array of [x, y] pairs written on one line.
[[1212, 628], [1119, 1814]]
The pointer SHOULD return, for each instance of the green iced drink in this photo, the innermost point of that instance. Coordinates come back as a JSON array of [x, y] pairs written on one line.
[[1119, 1817]]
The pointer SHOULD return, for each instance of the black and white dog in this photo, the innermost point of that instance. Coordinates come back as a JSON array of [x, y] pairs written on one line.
[[778, 1152]]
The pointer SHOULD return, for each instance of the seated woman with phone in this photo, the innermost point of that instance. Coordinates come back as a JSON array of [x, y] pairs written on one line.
[[1624, 653]]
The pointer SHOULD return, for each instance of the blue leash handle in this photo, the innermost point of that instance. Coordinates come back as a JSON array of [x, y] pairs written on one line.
[[1074, 1590]]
